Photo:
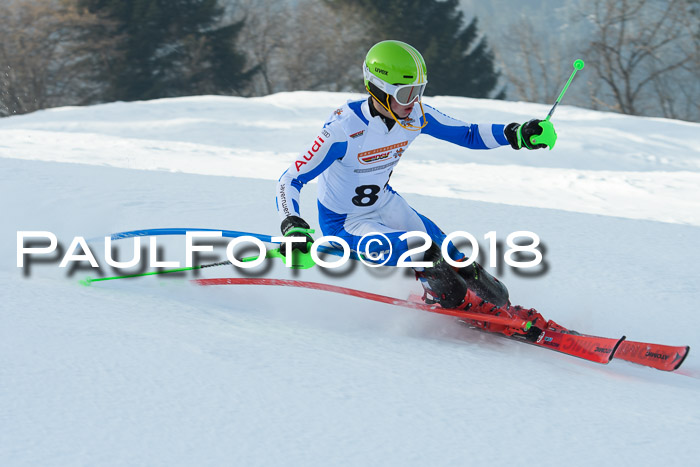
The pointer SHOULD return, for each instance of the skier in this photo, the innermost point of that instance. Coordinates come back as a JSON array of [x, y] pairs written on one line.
[[354, 155]]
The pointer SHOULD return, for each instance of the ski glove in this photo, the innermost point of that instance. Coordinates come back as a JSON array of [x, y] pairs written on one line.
[[520, 135], [295, 226]]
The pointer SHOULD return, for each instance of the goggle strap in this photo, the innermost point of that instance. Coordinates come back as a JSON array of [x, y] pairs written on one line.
[[380, 101], [382, 86], [408, 126]]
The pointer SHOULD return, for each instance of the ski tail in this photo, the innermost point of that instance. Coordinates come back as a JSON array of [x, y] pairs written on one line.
[[661, 357]]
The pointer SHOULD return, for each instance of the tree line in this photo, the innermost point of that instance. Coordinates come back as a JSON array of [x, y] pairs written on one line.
[[643, 56]]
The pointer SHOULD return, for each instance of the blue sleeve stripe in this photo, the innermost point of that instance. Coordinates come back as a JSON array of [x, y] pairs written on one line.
[[449, 129], [467, 136], [357, 108], [336, 151], [497, 131], [297, 184]]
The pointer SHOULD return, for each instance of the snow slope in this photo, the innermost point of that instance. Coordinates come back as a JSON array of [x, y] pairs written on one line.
[[155, 371]]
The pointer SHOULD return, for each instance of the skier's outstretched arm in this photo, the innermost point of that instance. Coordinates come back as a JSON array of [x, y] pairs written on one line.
[[329, 146], [481, 136]]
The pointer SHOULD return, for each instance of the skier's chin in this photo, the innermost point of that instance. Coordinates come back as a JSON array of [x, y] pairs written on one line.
[[404, 113]]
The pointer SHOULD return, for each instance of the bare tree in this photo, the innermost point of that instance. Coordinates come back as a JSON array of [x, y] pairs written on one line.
[[303, 46], [531, 63], [535, 53], [262, 37], [641, 51], [642, 56], [331, 43], [44, 60]]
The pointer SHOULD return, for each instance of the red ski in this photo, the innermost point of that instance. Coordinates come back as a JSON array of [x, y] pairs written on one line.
[[591, 348], [512, 322], [661, 357]]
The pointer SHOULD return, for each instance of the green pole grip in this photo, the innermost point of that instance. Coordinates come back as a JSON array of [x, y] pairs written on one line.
[[548, 135]]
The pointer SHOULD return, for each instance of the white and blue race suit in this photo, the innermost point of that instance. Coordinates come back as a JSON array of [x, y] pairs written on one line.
[[353, 156]]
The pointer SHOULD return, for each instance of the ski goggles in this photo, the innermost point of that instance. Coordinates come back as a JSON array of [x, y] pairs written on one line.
[[407, 93], [404, 94]]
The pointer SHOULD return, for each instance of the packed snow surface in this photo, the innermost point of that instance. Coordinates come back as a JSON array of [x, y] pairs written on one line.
[[158, 371]]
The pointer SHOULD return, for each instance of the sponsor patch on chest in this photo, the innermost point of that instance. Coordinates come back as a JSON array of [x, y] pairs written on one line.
[[381, 154]]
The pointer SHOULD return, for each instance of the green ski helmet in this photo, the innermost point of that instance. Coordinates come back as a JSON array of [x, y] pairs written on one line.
[[396, 69]]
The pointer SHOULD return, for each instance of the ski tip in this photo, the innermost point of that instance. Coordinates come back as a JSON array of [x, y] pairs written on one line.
[[687, 351], [86, 282]]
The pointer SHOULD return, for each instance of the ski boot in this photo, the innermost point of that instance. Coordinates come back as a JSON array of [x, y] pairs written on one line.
[[474, 303], [442, 287], [539, 323], [441, 284], [484, 284], [473, 289], [493, 296]]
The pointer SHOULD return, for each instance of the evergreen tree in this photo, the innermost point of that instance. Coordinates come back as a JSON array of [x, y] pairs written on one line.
[[459, 61], [170, 48], [44, 59]]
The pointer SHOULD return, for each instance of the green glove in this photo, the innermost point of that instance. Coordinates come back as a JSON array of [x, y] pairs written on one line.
[[534, 134], [295, 226]]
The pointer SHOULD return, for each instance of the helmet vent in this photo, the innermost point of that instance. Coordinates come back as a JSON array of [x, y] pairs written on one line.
[[408, 76]]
